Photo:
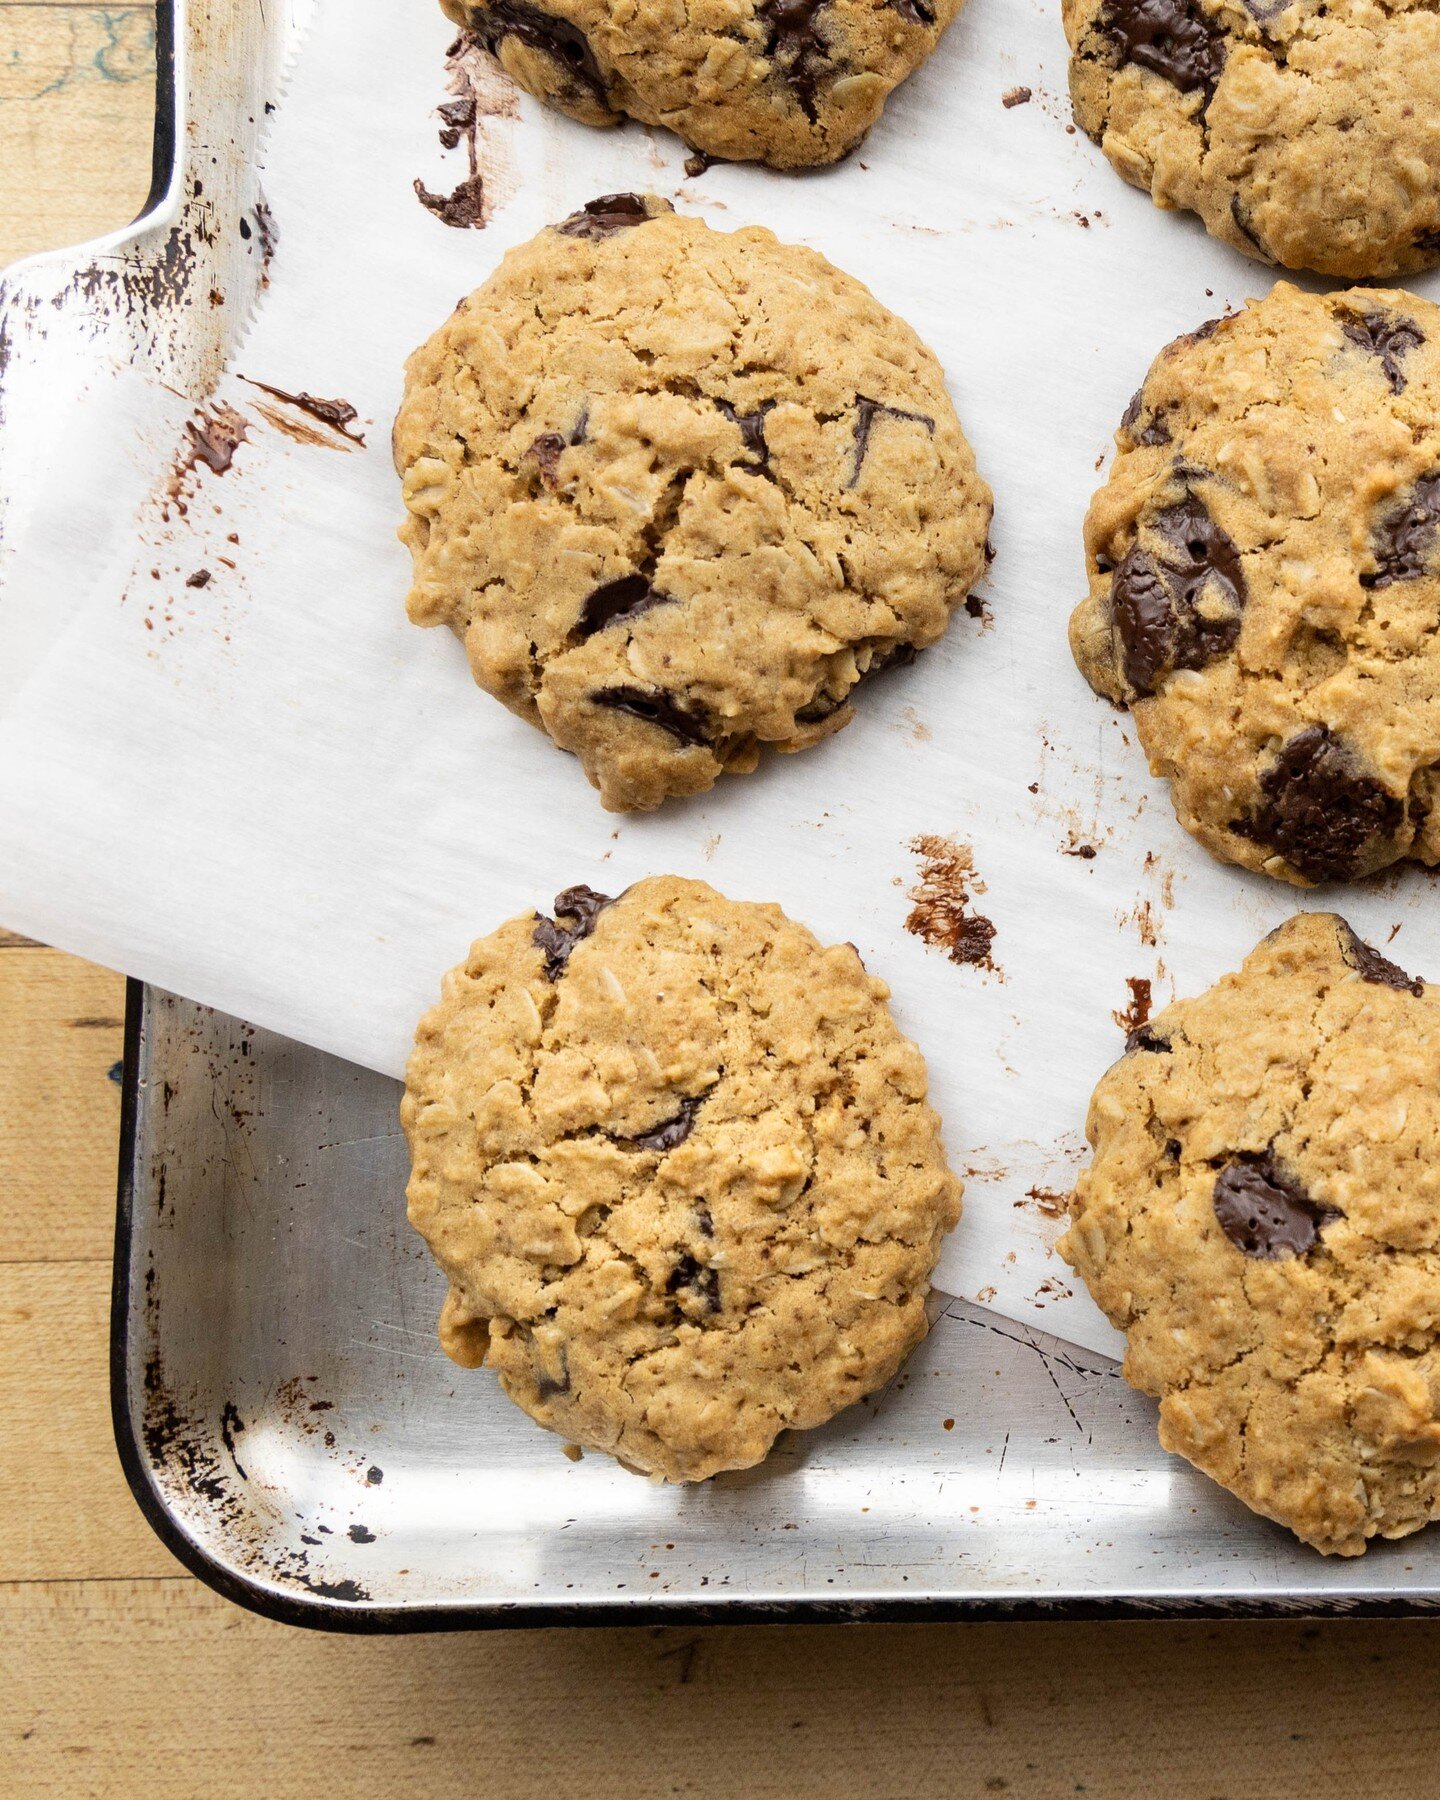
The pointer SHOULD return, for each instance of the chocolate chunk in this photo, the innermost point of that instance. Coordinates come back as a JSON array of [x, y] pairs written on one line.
[[579, 907], [201, 578], [557, 38], [547, 450], [1155, 601], [464, 209], [547, 1386], [626, 598], [751, 427], [1370, 965], [1403, 539], [1428, 240], [797, 46], [898, 656], [1265, 1212], [672, 1132], [1321, 812], [867, 411], [916, 11], [1386, 337], [1245, 228], [690, 726], [1172, 38], [697, 1281], [1145, 1037], [458, 117], [1155, 432], [602, 218]]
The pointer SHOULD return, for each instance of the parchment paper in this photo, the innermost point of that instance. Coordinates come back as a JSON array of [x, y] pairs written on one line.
[[273, 794]]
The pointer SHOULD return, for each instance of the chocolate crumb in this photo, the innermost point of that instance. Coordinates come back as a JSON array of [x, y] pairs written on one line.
[[201, 578], [1017, 96]]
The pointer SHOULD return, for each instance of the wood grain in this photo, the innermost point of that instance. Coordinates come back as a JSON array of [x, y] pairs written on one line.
[[123, 1676]]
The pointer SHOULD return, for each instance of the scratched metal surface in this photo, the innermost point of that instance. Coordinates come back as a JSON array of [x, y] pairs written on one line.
[[285, 1416]]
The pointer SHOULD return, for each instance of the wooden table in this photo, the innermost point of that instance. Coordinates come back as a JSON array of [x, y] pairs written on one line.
[[119, 1674]]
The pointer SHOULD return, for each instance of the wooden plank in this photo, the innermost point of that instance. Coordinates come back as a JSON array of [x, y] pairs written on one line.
[[158, 1688], [81, 77], [61, 1031], [66, 1512]]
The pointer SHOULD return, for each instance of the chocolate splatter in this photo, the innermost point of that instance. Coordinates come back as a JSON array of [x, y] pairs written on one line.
[[1403, 540], [1134, 1018], [1387, 338], [576, 910], [214, 438], [1265, 1211], [1370, 965], [1175, 39], [867, 411], [941, 912], [1155, 600], [1321, 812], [360, 1534], [688, 724], [603, 217], [339, 415]]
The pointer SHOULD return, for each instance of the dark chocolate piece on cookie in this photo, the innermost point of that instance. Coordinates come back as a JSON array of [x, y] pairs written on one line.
[[1179, 609], [602, 218], [1321, 811], [576, 910], [1371, 966], [1406, 536], [1175, 39], [686, 723], [1265, 1212]]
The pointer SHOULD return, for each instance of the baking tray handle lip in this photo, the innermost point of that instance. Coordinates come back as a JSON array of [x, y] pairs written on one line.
[[318, 1613]]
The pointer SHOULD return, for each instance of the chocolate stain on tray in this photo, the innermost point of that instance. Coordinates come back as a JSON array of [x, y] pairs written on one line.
[[212, 437], [339, 415], [942, 913], [1045, 1200], [471, 79], [1137, 1013]]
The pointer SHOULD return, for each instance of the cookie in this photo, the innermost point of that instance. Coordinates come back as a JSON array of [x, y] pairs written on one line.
[[680, 492], [676, 1161], [1304, 133], [1265, 582], [792, 83], [1262, 1220]]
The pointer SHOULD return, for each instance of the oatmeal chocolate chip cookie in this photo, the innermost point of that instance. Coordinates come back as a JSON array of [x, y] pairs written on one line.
[[680, 492], [676, 1162], [1265, 582], [1303, 132], [1262, 1220], [792, 83]]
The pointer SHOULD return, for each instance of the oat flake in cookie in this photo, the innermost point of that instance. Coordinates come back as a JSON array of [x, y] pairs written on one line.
[[1262, 1220], [1304, 133], [791, 83], [677, 1163], [1265, 582], [681, 492]]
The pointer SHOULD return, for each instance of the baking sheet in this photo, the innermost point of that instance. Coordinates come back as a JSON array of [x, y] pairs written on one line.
[[271, 793]]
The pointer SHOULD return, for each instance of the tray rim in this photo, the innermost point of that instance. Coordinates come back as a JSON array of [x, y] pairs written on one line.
[[315, 1612]]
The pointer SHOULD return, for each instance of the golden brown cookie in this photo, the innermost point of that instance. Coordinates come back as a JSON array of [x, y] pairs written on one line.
[[680, 492], [1303, 132], [1265, 582], [678, 1166], [1262, 1220], [792, 83]]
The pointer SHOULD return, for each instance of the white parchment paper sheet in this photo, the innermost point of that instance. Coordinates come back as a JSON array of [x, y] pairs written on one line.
[[276, 796]]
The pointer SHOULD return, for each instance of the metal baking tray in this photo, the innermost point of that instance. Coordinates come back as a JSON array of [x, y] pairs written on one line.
[[283, 1412]]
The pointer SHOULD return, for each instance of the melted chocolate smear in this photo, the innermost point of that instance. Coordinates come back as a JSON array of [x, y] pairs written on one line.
[[672, 1132], [697, 1281], [867, 411], [1320, 811], [1386, 337], [563, 42], [1155, 601], [463, 209], [797, 46], [214, 439], [1404, 539], [941, 914], [339, 415], [579, 908], [1172, 38], [1370, 965], [1265, 1212], [898, 656], [602, 218], [458, 119], [691, 727], [626, 598], [751, 427]]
